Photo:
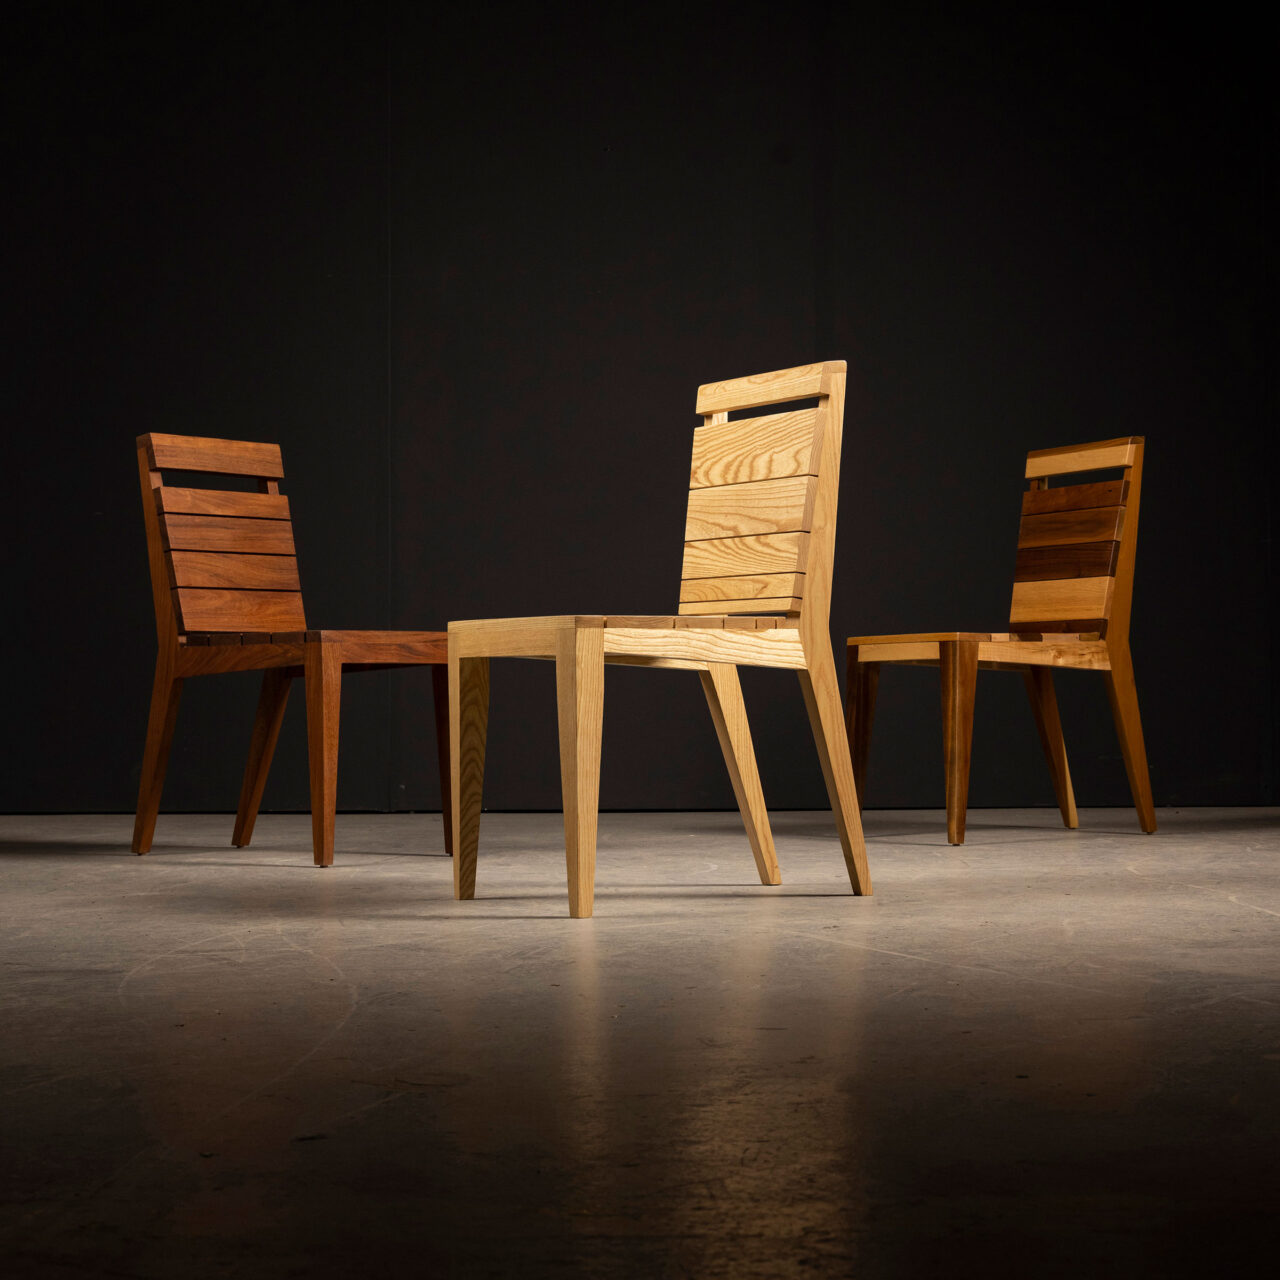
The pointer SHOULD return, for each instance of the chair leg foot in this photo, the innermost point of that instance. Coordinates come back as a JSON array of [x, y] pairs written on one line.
[[1123, 693], [468, 709], [161, 719], [580, 702], [323, 671], [958, 660], [272, 701], [822, 701], [1044, 706], [729, 714]]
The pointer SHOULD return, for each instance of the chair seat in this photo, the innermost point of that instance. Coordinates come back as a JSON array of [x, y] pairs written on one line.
[[996, 650], [656, 640]]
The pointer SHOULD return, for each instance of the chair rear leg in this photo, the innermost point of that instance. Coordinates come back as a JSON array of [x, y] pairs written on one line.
[[166, 691], [1123, 693], [440, 699], [272, 701], [729, 713], [861, 684], [323, 671], [580, 702], [1044, 706], [958, 660], [468, 707], [822, 701]]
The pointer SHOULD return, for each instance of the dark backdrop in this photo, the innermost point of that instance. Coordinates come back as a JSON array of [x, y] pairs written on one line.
[[469, 270]]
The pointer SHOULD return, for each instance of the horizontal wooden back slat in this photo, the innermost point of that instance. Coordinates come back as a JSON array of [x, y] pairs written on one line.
[[742, 588], [1060, 600], [222, 457], [217, 610], [1075, 497], [227, 533], [756, 553], [222, 502], [760, 506], [764, 389], [229, 570], [1077, 560], [1082, 457], [767, 448], [757, 604], [1063, 528]]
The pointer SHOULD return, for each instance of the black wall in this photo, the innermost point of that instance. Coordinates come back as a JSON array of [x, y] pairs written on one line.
[[469, 270]]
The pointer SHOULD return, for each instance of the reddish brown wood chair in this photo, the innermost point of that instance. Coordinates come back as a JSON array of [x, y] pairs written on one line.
[[1073, 587], [224, 579]]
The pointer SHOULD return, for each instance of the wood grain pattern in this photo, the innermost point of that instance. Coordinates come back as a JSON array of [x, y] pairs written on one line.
[[765, 448], [225, 533], [758, 553], [723, 692], [1067, 528], [1072, 560], [233, 571], [222, 457], [220, 502], [1082, 457], [1122, 693], [770, 586], [778, 647], [1044, 707], [759, 390], [1075, 497], [958, 663], [468, 733], [1067, 599], [211, 609], [322, 664], [760, 506], [783, 604], [580, 708]]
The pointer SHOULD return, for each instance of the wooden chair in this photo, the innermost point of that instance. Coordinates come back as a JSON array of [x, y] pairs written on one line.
[[1073, 586], [227, 598], [758, 541]]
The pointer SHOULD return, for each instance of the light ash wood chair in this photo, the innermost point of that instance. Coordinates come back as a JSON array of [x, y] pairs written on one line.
[[1072, 592], [227, 596], [759, 540]]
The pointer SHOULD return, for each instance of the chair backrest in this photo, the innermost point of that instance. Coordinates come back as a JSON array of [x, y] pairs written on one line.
[[1077, 542], [760, 532], [222, 560]]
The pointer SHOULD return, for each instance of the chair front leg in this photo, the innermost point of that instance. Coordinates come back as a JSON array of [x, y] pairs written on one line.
[[166, 691], [440, 699], [468, 706], [1123, 693], [322, 668], [1044, 706], [729, 713], [958, 660], [580, 702], [272, 701], [822, 701], [861, 684]]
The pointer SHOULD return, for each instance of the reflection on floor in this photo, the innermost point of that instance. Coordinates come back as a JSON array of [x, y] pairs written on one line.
[[1045, 1053]]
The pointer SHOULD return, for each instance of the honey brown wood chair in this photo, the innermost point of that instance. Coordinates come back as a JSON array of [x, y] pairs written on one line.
[[759, 539], [227, 596], [1072, 592]]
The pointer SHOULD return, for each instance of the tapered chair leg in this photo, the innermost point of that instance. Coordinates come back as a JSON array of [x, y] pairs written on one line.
[[729, 713], [958, 660], [1044, 706], [323, 671], [580, 702], [468, 707], [822, 701], [1123, 693], [163, 716], [272, 701], [861, 683], [440, 698]]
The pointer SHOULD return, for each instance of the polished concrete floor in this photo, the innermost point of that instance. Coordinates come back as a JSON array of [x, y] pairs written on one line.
[[1046, 1053]]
